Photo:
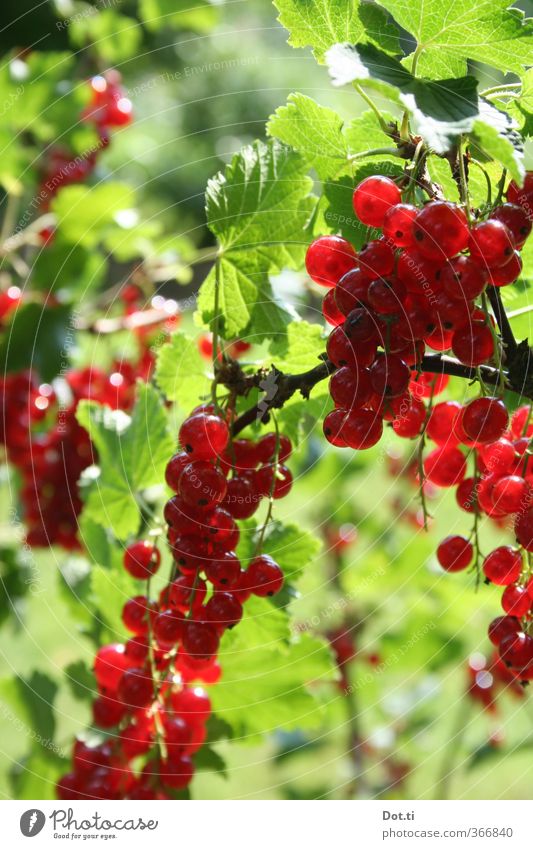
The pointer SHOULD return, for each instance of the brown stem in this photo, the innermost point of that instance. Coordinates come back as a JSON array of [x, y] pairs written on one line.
[[501, 317]]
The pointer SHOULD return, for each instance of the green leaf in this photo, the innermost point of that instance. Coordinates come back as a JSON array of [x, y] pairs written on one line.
[[72, 271], [116, 37], [293, 548], [452, 31], [494, 137], [258, 210], [132, 454], [299, 417], [29, 704], [37, 775], [267, 676], [85, 215], [321, 23], [80, 680], [199, 16], [299, 350], [208, 760], [110, 590], [181, 373], [39, 338]]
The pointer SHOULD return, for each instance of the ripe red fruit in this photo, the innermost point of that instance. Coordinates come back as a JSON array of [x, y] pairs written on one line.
[[266, 448], [410, 419], [263, 576], [273, 480], [330, 310], [224, 571], [167, 628], [200, 639], [516, 600], [185, 591], [440, 230], [445, 466], [333, 427], [328, 258], [462, 278], [472, 344], [511, 493], [142, 560], [503, 565], [373, 197], [136, 688], [524, 529], [360, 326], [135, 614], [441, 422], [455, 553], [501, 627], [351, 291], [107, 712], [516, 219], [340, 350], [192, 704], [516, 650], [202, 485], [109, 664], [241, 499], [376, 259], [491, 243], [466, 495], [175, 467], [508, 273], [177, 771], [350, 388], [398, 224], [389, 375], [204, 436], [223, 610], [485, 419], [362, 429], [386, 296]]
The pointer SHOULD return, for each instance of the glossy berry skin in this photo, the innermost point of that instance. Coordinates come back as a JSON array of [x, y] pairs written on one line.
[[109, 664], [167, 628], [333, 427], [200, 639], [241, 499], [204, 436], [508, 273], [516, 650], [107, 712], [455, 553], [502, 627], [445, 466], [398, 224], [142, 560], [328, 258], [263, 576], [386, 296], [511, 493], [491, 243], [376, 259], [485, 419], [192, 704], [389, 375], [412, 416], [361, 429], [330, 310], [275, 481], [351, 291], [174, 468], [223, 610], [268, 447], [135, 614], [340, 349], [503, 566], [466, 495], [177, 772], [202, 485], [524, 529], [473, 344], [136, 688], [516, 600], [350, 388], [441, 422], [185, 591], [224, 572], [373, 197], [516, 219], [523, 195], [440, 230], [463, 278]]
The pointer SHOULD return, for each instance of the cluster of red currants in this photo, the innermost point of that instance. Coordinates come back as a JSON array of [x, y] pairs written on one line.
[[108, 108], [144, 690], [421, 284], [487, 678]]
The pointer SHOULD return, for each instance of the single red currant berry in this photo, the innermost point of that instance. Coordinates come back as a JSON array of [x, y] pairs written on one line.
[[440, 230], [463, 279], [187, 591], [511, 493], [174, 468], [521, 196], [167, 628], [373, 197], [202, 485], [411, 419], [376, 259], [177, 733], [204, 436], [333, 427], [241, 499], [142, 560], [264, 576], [224, 572], [200, 639], [516, 600], [223, 610], [136, 688], [445, 466], [109, 664], [491, 243], [328, 258], [350, 388], [135, 740], [455, 553], [441, 422], [466, 495], [516, 650], [386, 296], [389, 375], [135, 614], [498, 457], [360, 326], [502, 627], [485, 419], [508, 273], [330, 310], [351, 291], [275, 481], [503, 565], [516, 219], [362, 429], [107, 712], [473, 344], [269, 447], [221, 529], [524, 529], [398, 224], [176, 772], [193, 705]]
